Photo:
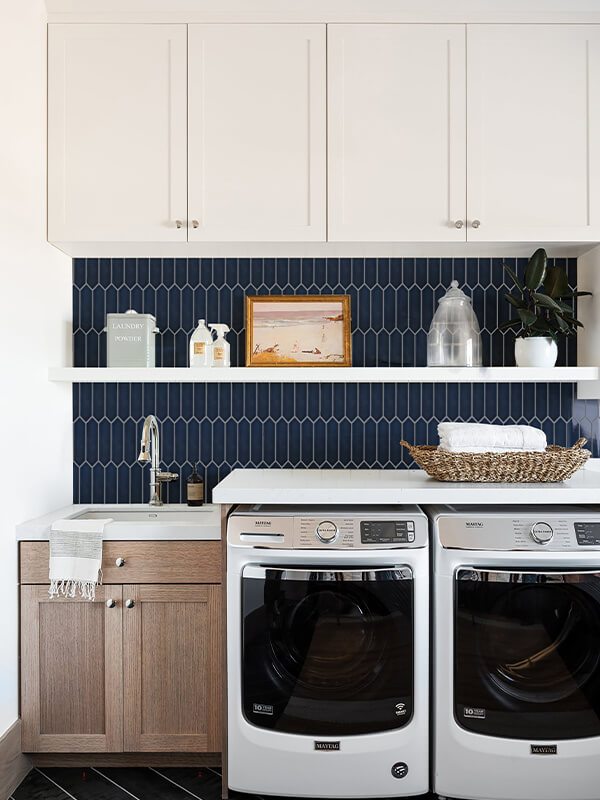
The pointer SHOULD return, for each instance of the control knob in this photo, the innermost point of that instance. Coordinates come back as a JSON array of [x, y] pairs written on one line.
[[541, 533], [326, 532]]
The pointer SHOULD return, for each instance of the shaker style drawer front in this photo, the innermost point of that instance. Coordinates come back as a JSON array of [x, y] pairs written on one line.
[[136, 562]]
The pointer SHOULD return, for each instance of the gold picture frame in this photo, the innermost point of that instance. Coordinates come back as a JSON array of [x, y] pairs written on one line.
[[279, 335]]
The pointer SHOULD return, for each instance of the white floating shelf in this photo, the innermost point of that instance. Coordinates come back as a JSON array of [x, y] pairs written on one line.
[[324, 375]]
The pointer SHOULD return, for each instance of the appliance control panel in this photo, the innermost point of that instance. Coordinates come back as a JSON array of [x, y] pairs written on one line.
[[588, 534], [328, 528], [544, 532]]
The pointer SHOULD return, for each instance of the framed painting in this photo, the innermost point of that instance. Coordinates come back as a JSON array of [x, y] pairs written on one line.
[[298, 331]]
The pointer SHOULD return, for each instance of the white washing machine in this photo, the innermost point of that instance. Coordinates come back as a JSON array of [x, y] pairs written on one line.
[[328, 651], [517, 653]]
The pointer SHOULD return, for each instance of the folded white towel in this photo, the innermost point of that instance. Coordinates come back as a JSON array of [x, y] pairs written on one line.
[[473, 437], [76, 557]]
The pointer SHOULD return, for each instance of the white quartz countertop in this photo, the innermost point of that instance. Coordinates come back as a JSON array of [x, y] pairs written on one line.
[[374, 487], [169, 522]]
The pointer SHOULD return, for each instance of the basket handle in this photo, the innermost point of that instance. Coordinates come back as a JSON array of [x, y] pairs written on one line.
[[406, 444], [579, 443]]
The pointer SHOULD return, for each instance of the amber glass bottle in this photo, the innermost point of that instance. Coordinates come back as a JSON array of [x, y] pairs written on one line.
[[195, 489]]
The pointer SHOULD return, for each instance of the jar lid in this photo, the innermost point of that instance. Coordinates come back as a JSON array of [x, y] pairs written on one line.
[[454, 293]]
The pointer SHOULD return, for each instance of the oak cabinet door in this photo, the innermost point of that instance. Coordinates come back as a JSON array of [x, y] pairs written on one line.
[[533, 132], [117, 161], [172, 668], [71, 672], [396, 128], [257, 132]]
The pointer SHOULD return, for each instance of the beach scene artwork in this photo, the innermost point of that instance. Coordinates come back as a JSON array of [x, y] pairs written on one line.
[[299, 332]]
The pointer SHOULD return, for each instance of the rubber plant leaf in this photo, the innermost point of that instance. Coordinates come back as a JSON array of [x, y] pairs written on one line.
[[513, 275], [515, 301], [527, 317], [545, 301], [536, 269], [556, 282]]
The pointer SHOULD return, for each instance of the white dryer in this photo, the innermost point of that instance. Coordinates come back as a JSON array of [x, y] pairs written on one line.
[[328, 648], [517, 653]]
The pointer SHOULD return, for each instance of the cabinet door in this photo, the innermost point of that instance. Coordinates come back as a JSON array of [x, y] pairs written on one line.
[[257, 130], [396, 106], [533, 132], [71, 672], [117, 132], [172, 668]]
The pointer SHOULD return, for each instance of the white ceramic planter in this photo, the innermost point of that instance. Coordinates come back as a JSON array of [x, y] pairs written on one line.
[[536, 351]]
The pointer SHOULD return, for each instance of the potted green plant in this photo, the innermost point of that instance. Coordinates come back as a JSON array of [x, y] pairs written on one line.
[[542, 315]]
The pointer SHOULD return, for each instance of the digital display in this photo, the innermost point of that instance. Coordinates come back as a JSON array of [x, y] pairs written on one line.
[[387, 532], [588, 534]]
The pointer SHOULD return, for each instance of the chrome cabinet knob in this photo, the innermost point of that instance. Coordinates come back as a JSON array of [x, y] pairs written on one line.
[[476, 223], [459, 223], [178, 223], [120, 562], [111, 603], [129, 603], [195, 223]]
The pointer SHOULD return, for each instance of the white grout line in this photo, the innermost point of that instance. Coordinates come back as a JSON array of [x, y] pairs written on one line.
[[58, 786], [122, 788], [179, 786]]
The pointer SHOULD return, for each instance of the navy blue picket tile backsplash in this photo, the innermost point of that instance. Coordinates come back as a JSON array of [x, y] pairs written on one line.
[[224, 426]]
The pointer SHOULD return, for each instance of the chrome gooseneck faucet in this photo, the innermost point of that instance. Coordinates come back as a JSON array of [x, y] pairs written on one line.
[[150, 451]]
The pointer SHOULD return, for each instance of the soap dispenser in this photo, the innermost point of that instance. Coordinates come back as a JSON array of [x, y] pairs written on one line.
[[220, 348], [201, 343], [454, 339]]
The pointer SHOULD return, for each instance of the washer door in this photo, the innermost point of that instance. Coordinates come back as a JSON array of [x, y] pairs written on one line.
[[327, 651], [527, 654]]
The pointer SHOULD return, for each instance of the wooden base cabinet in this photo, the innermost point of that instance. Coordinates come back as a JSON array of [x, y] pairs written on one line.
[[71, 672], [172, 668], [137, 671]]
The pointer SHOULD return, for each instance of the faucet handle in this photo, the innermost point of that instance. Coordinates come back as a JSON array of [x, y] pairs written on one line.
[[165, 477]]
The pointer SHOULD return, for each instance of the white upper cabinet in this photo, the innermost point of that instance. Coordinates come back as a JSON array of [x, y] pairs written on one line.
[[533, 132], [117, 133], [257, 133], [396, 103]]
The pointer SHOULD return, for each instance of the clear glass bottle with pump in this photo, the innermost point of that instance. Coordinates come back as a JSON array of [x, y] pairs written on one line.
[[201, 346], [220, 348], [454, 338]]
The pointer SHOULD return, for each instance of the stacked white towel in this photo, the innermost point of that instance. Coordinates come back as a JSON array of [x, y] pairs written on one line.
[[76, 557], [472, 437]]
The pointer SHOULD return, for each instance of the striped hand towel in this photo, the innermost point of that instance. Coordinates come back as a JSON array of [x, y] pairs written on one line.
[[76, 557]]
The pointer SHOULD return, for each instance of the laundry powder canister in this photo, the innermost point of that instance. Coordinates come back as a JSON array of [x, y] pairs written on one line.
[[130, 339]]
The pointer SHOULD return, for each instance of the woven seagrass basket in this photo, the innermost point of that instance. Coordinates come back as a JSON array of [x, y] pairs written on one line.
[[555, 464]]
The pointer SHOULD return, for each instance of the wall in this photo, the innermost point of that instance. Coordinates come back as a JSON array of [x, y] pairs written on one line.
[[34, 318], [312, 425]]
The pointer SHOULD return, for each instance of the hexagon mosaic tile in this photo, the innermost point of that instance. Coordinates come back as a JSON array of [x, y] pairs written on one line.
[[224, 426]]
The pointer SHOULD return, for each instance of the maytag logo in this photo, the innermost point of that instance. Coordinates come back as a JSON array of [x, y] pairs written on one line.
[[327, 746], [262, 708], [544, 749], [262, 522], [474, 713], [474, 524]]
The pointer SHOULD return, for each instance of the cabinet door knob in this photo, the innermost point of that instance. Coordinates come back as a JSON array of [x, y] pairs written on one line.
[[459, 223], [476, 223], [111, 603], [195, 223], [178, 223], [129, 603], [120, 562]]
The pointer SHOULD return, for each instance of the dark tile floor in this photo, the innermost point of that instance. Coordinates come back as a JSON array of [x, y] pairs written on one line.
[[124, 783]]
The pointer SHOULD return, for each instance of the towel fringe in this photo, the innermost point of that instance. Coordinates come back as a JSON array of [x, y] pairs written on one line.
[[69, 588]]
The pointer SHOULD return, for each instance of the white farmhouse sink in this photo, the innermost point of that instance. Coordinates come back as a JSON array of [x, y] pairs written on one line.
[[134, 522], [159, 522]]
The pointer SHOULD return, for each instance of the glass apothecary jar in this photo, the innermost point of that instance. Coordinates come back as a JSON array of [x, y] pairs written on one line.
[[454, 338]]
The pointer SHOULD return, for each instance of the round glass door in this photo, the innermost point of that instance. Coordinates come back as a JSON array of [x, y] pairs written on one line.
[[327, 652], [527, 661]]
